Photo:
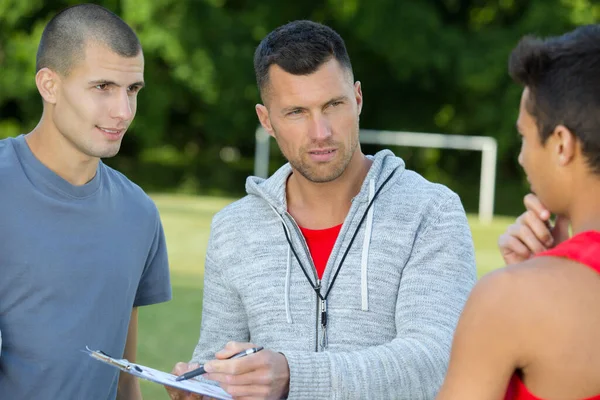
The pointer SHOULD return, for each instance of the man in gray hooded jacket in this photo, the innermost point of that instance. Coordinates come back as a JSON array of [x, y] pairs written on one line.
[[350, 270]]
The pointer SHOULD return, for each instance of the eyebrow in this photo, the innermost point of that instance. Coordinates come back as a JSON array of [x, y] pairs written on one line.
[[334, 100], [292, 108], [140, 84]]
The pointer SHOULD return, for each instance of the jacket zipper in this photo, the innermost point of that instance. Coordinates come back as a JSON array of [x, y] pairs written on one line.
[[319, 304]]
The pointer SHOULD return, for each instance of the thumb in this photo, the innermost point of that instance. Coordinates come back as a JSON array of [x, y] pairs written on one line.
[[181, 368], [560, 231]]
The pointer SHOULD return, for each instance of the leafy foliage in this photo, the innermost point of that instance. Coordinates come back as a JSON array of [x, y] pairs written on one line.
[[428, 66]]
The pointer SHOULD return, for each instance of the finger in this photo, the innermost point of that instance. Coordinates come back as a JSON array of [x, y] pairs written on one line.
[[247, 391], [191, 367], [249, 398], [182, 368], [523, 233], [254, 377], [238, 366], [533, 203], [229, 367], [232, 348], [178, 394], [539, 228], [174, 394], [513, 250], [560, 231]]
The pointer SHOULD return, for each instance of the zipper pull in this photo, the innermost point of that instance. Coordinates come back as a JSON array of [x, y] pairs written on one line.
[[324, 313], [324, 324]]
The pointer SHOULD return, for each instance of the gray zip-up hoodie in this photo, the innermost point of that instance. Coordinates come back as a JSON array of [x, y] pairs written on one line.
[[392, 310]]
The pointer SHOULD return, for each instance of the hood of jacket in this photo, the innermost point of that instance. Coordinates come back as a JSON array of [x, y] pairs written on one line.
[[272, 190]]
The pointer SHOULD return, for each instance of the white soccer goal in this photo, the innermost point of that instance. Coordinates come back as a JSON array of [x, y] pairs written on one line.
[[487, 145]]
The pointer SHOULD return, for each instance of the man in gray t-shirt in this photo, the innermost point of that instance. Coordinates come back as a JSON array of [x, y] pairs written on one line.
[[81, 246]]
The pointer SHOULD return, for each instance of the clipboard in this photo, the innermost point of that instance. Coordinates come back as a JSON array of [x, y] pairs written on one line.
[[160, 377]]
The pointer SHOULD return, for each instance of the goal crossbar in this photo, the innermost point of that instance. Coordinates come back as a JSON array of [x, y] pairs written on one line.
[[487, 145]]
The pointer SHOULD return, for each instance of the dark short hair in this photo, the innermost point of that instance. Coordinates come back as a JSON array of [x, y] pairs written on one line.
[[66, 35], [562, 74], [299, 48]]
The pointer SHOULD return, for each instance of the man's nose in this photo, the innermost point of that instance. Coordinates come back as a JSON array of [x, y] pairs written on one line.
[[320, 128], [122, 107]]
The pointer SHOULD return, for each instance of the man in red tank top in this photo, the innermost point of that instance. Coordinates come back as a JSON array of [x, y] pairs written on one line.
[[530, 330]]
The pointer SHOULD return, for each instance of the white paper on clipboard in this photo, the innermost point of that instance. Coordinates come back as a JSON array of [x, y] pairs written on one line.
[[163, 378]]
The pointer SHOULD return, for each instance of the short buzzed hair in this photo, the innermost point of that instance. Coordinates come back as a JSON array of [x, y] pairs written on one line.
[[299, 48], [64, 39]]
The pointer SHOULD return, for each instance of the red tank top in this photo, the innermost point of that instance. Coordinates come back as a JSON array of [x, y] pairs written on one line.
[[585, 249], [320, 243]]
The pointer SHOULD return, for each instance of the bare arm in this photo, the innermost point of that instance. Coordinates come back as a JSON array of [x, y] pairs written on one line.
[[129, 386], [487, 346]]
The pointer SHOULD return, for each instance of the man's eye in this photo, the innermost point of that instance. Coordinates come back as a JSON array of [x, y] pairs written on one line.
[[102, 86], [295, 112]]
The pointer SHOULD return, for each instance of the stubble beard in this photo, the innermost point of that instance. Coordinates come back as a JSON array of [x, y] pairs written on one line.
[[325, 173]]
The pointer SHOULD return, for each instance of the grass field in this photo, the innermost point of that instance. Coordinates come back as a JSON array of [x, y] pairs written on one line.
[[168, 332]]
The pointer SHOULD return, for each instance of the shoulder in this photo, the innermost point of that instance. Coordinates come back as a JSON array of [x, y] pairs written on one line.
[[525, 307], [522, 295], [413, 189], [541, 278], [130, 193], [10, 166], [7, 153], [503, 291], [432, 206], [423, 188], [248, 208], [5, 145]]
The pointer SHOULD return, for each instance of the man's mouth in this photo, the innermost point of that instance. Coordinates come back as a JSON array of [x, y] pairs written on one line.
[[110, 131], [322, 155], [319, 152]]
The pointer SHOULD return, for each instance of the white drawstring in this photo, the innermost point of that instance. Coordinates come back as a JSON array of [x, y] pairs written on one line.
[[365, 252], [288, 272]]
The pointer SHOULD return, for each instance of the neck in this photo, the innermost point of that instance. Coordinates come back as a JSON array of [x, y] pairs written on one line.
[[323, 205], [59, 155], [584, 210]]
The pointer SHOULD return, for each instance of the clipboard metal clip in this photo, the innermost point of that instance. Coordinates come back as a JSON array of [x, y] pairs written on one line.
[[122, 364]]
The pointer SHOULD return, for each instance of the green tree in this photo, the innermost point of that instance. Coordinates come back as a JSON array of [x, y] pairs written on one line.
[[429, 66]]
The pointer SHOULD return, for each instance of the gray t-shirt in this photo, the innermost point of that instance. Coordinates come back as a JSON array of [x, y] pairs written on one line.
[[74, 261]]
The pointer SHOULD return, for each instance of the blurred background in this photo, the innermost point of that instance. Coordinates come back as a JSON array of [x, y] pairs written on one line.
[[425, 66]]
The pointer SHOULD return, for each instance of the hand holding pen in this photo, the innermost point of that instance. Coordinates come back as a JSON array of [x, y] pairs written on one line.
[[200, 370], [265, 374]]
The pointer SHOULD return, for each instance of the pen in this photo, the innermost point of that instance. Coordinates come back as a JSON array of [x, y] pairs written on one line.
[[200, 370]]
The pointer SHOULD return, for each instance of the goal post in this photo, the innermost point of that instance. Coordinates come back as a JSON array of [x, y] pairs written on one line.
[[487, 145]]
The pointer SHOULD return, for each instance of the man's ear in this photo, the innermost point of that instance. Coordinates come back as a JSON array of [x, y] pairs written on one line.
[[358, 95], [263, 116], [565, 144], [47, 82]]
